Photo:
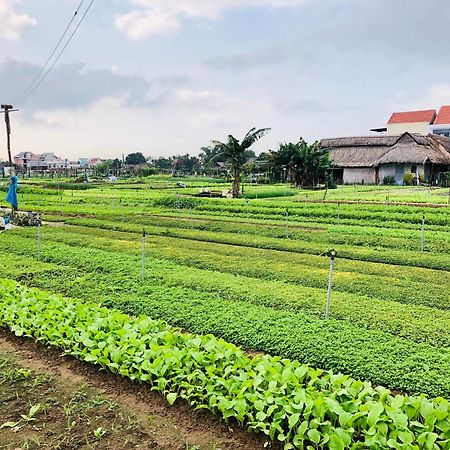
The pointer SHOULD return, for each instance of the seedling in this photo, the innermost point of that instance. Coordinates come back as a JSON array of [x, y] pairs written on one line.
[[30, 417], [100, 432]]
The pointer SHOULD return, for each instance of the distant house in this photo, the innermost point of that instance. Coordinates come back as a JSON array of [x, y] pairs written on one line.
[[371, 159], [411, 121], [83, 162], [45, 161], [441, 125], [23, 158], [418, 122], [94, 162]]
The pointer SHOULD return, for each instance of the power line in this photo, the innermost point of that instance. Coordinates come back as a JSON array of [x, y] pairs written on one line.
[[59, 54], [30, 86]]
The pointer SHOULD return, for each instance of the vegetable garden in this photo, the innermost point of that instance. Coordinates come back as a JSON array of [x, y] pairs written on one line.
[[229, 315]]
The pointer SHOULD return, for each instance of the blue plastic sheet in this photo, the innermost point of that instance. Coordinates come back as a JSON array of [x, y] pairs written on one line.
[[11, 197]]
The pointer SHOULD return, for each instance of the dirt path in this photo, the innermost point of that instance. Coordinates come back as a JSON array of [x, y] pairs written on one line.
[[140, 417]]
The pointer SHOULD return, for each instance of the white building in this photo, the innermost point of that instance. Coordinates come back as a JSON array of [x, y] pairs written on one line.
[[416, 122], [441, 125]]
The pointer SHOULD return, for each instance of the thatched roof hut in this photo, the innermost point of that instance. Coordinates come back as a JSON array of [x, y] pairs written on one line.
[[371, 151], [371, 158]]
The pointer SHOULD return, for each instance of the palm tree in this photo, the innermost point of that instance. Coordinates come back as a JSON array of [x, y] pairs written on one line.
[[300, 162], [234, 152], [311, 163]]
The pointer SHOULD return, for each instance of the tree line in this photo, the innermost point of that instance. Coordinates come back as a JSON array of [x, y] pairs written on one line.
[[300, 163]]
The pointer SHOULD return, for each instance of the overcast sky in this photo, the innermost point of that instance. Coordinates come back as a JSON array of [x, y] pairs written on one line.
[[166, 76]]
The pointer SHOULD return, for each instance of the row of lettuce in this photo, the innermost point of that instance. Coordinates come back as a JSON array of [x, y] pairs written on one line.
[[366, 344], [292, 403]]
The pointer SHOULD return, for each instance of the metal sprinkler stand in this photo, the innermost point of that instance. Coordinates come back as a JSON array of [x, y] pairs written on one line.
[[332, 253], [143, 256]]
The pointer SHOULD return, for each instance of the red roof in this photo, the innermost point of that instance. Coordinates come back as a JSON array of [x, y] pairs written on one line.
[[413, 116], [443, 118]]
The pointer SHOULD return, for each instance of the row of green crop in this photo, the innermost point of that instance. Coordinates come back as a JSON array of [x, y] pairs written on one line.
[[355, 192], [334, 344], [371, 237], [397, 272], [295, 404], [440, 261], [410, 322], [381, 194], [385, 216], [266, 207], [266, 265]]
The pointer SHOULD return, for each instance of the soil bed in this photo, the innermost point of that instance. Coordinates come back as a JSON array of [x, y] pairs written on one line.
[[81, 407]]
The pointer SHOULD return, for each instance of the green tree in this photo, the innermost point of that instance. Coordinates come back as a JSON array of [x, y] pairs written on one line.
[[310, 163], [186, 164], [163, 164], [234, 152], [299, 162], [134, 159]]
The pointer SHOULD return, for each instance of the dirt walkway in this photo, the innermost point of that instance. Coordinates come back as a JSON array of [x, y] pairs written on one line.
[[140, 417]]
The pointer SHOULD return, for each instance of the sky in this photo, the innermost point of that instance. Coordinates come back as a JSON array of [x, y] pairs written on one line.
[[166, 77]]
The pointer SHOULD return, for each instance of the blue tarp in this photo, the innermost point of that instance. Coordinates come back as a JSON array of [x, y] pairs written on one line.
[[11, 197]]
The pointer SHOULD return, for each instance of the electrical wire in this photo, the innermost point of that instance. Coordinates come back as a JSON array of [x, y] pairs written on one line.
[[30, 86], [45, 74]]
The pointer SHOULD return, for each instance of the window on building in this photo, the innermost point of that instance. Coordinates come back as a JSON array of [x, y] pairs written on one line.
[[414, 169], [442, 132]]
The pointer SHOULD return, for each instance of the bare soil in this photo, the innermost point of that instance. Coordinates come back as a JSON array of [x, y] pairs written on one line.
[[81, 407]]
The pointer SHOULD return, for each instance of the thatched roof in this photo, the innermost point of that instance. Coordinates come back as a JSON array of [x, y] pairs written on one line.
[[371, 151], [361, 156], [358, 141]]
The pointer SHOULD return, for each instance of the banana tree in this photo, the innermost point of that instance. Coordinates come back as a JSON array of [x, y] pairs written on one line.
[[234, 152]]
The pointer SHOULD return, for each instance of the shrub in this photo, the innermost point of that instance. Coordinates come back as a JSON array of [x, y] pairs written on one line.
[[408, 179]]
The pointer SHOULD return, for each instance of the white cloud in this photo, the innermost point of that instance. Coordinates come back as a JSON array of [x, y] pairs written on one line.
[[11, 23], [54, 119], [152, 17], [187, 95], [439, 94], [432, 97]]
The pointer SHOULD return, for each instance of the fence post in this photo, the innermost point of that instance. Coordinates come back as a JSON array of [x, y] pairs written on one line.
[[422, 235], [332, 254], [248, 213], [287, 223], [178, 207], [143, 255], [39, 240], [339, 213]]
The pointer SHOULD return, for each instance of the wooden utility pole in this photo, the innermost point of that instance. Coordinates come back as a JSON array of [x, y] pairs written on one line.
[[6, 110]]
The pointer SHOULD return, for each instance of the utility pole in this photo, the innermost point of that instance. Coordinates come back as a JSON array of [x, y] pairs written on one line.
[[6, 110]]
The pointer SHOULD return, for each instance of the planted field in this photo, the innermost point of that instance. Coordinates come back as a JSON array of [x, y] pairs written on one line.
[[256, 276]]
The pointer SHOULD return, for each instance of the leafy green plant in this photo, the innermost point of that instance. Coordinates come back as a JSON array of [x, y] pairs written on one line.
[[263, 321], [292, 403], [100, 432], [30, 416]]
